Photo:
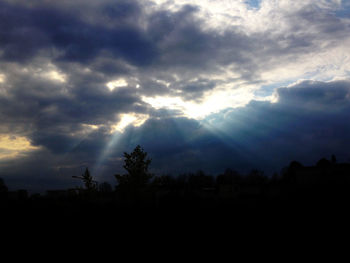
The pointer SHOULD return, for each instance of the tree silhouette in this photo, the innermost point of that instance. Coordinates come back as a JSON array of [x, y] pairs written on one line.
[[136, 164], [90, 184]]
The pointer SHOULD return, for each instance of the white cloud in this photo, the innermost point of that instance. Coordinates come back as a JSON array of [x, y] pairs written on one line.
[[236, 50], [2, 78], [11, 146], [129, 119], [118, 83]]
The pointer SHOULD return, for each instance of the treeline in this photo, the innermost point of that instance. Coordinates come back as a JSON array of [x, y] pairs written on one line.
[[138, 188]]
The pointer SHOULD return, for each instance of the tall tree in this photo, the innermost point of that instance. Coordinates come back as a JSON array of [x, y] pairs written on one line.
[[136, 164]]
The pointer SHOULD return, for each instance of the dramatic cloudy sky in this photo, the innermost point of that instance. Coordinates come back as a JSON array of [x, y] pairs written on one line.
[[207, 84]]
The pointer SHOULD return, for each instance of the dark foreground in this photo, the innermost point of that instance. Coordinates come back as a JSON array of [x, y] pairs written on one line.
[[299, 193]]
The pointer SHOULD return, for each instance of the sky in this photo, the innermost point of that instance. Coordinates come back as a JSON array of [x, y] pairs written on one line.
[[201, 84]]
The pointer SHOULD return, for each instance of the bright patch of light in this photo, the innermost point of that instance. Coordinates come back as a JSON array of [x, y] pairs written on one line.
[[116, 84], [213, 102], [46, 71], [91, 126], [126, 120], [159, 102], [188, 109], [134, 119], [334, 62], [167, 84], [87, 129], [98, 167], [11, 147], [2, 78], [3, 90], [54, 76]]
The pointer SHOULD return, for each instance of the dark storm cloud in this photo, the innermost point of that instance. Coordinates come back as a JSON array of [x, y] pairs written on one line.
[[53, 115], [42, 171], [321, 95], [172, 42], [188, 49], [180, 144], [193, 90], [159, 44], [172, 39], [310, 121], [305, 124], [25, 31], [166, 53]]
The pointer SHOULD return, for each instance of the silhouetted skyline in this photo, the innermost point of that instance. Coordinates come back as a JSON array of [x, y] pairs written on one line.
[[323, 186]]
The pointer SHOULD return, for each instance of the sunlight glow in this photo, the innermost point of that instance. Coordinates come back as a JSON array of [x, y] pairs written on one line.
[[167, 84], [54, 76], [90, 126], [116, 84], [134, 119], [213, 102], [2, 78], [108, 149], [11, 146], [45, 71]]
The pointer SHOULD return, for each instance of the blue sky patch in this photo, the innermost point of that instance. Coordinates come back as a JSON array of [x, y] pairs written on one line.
[[254, 3]]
